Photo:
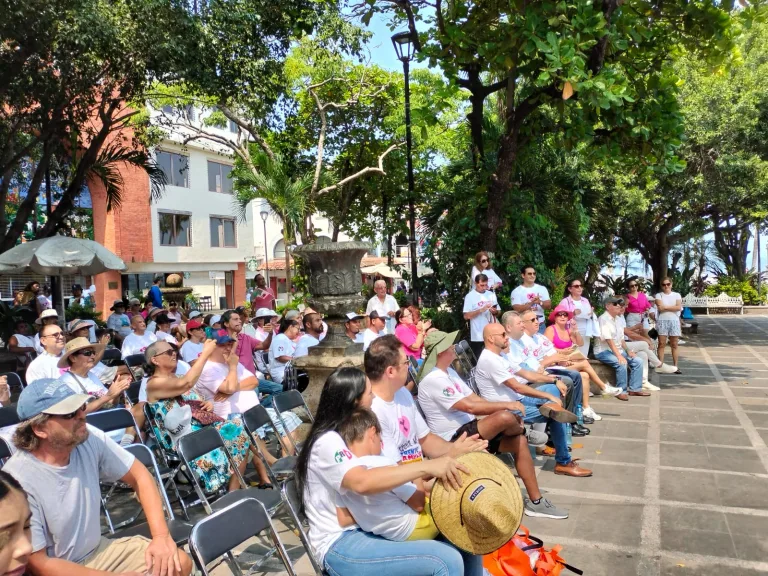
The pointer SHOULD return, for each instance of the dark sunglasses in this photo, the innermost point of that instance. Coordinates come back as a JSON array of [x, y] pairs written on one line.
[[88, 353], [484, 260], [576, 286], [56, 335], [633, 285], [169, 352], [532, 320], [72, 414], [561, 314], [667, 284]]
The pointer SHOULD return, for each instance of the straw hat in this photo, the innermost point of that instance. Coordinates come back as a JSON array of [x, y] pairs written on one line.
[[485, 512], [73, 346], [435, 343], [49, 313]]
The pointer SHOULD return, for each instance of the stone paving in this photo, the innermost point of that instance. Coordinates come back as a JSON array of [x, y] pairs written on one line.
[[680, 484]]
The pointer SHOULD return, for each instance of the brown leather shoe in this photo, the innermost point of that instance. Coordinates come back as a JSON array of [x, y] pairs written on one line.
[[557, 413], [639, 393], [572, 469], [623, 396]]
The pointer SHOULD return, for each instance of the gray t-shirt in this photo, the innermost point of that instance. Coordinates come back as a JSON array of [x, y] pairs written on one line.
[[65, 501]]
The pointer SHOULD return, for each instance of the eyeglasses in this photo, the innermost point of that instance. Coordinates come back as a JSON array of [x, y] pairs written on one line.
[[530, 273], [484, 260], [532, 320], [72, 414], [169, 352], [576, 286], [87, 352], [56, 335], [633, 285], [666, 283], [561, 315]]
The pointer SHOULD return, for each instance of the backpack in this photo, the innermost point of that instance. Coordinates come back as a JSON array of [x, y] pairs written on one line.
[[525, 555]]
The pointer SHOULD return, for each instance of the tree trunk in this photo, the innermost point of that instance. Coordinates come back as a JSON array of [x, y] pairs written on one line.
[[659, 261], [498, 188], [286, 240]]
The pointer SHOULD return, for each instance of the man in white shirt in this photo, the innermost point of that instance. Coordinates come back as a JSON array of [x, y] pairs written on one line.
[[385, 304], [611, 350], [46, 317], [46, 364], [404, 434], [451, 408], [531, 296], [138, 341], [498, 379], [313, 327], [352, 326], [376, 328], [480, 309]]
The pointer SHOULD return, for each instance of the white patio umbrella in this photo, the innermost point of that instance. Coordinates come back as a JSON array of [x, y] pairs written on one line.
[[381, 269], [59, 256]]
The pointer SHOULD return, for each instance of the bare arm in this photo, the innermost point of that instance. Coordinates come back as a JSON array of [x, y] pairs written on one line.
[[14, 348], [362, 480], [547, 304], [476, 313], [160, 388], [522, 307], [41, 565], [230, 384], [530, 391], [477, 406]]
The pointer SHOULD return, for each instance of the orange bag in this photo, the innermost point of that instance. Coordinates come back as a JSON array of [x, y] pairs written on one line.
[[525, 555]]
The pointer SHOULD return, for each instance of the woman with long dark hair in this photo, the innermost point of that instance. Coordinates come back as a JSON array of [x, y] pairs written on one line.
[[15, 533], [326, 466]]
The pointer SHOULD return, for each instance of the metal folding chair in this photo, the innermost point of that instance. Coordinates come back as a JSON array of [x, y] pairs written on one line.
[[5, 452], [132, 362], [14, 379], [293, 503], [112, 357], [196, 444], [218, 534], [178, 529], [8, 416], [255, 418], [288, 401]]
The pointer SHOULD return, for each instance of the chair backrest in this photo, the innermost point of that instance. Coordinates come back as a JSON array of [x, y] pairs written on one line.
[[290, 400], [112, 356], [8, 416], [222, 531], [292, 500], [111, 420], [195, 444], [145, 456], [256, 417], [5, 450], [134, 360], [290, 377], [13, 380], [133, 391]]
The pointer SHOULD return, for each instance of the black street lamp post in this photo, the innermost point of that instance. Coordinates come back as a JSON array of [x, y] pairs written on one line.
[[403, 43]]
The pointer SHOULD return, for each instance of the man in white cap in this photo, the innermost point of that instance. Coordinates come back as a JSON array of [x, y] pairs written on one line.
[[139, 339], [451, 409], [352, 326], [313, 327], [59, 455], [46, 317], [376, 328], [118, 321], [45, 365]]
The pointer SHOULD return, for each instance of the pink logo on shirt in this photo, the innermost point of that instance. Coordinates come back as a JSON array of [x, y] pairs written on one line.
[[448, 391], [405, 425]]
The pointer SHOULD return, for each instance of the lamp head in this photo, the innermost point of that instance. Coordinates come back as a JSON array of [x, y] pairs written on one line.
[[403, 43]]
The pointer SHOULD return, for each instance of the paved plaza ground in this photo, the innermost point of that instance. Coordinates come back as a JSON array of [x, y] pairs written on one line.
[[680, 485]]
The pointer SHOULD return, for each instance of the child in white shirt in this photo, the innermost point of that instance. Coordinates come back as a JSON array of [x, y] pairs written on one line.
[[400, 514]]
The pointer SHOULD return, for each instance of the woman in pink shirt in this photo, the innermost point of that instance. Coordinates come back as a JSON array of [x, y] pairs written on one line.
[[411, 335], [637, 305]]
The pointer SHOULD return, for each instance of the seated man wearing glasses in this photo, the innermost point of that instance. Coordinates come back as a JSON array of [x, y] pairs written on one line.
[[611, 349], [59, 463], [46, 364]]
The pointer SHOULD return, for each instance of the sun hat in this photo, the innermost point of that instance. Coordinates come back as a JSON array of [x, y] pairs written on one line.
[[117, 303], [78, 324], [557, 310], [266, 313], [50, 313], [485, 512], [77, 344], [435, 343], [193, 325], [154, 312], [48, 396]]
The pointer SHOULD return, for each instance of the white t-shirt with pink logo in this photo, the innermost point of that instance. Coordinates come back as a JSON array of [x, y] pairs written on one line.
[[135, 344], [190, 351], [523, 295], [474, 301], [401, 427], [329, 462], [535, 348], [492, 372], [438, 392]]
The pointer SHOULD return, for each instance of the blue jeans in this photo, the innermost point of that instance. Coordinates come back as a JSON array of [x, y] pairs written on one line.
[[572, 380], [556, 429], [268, 389], [635, 365], [359, 553]]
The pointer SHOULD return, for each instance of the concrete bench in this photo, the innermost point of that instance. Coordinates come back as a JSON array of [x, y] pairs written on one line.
[[720, 302]]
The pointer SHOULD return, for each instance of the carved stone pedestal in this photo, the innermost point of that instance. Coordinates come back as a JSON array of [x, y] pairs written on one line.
[[335, 281]]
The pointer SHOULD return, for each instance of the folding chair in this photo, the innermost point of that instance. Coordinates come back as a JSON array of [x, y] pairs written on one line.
[[132, 393], [413, 374], [216, 535], [255, 418], [178, 529], [288, 401], [5, 452], [8, 416], [466, 354], [112, 357], [196, 444], [293, 503], [14, 379], [134, 361]]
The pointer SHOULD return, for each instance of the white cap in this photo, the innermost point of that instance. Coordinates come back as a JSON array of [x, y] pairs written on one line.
[[50, 313], [215, 319], [354, 316], [265, 313], [195, 314]]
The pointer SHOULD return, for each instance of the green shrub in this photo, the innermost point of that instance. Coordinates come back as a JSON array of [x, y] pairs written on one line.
[[735, 287], [75, 311]]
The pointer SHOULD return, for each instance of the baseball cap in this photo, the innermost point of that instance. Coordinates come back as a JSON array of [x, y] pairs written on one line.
[[50, 313], [76, 287], [266, 313], [193, 325], [195, 314], [354, 316], [615, 300], [214, 319], [374, 315], [48, 396], [223, 337]]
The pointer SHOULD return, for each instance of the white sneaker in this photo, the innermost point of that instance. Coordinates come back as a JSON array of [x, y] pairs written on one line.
[[665, 369], [591, 393], [681, 341], [648, 386], [611, 390], [589, 411]]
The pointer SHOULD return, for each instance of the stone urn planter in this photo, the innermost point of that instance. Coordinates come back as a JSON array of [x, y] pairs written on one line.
[[335, 282]]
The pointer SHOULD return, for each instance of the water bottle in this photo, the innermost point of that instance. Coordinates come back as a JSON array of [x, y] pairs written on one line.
[[579, 415], [568, 434]]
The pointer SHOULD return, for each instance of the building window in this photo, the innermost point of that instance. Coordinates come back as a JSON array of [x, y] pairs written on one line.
[[218, 177], [174, 229], [168, 109], [279, 250], [233, 127], [176, 168], [223, 233]]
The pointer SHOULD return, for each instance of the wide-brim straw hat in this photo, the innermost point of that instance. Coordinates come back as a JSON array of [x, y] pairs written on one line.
[[485, 512], [77, 344], [435, 343]]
